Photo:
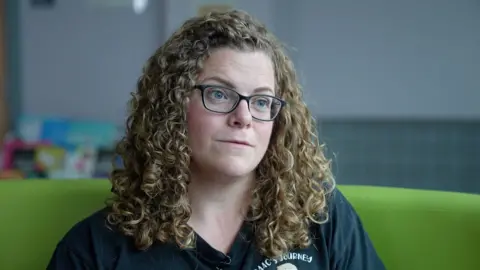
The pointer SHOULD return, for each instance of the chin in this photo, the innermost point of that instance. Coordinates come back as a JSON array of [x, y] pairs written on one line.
[[235, 168], [236, 171], [226, 165]]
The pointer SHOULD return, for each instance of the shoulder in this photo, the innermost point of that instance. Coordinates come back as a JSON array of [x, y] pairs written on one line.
[[344, 236], [341, 223], [89, 242], [341, 213], [93, 229]]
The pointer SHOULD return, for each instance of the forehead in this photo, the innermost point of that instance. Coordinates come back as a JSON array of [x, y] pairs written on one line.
[[243, 70]]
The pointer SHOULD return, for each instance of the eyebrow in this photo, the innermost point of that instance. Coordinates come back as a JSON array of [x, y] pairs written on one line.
[[229, 84]]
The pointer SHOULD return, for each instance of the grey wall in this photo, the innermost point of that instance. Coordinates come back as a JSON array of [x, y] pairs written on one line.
[[387, 58], [13, 76], [178, 11], [82, 59], [423, 154], [374, 58]]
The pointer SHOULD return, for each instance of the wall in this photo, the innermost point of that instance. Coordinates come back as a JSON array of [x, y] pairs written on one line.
[[407, 60], [442, 155], [82, 59], [177, 11], [13, 58], [415, 59]]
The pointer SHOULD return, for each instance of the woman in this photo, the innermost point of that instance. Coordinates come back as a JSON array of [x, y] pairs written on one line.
[[220, 168]]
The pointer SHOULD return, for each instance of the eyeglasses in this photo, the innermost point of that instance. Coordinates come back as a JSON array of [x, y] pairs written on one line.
[[221, 99]]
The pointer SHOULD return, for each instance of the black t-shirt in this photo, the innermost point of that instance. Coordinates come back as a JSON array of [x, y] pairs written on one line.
[[341, 243]]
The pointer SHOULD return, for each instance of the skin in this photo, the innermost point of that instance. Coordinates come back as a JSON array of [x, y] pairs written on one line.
[[223, 172]]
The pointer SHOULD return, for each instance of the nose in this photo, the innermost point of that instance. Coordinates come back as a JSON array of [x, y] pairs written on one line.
[[241, 116]]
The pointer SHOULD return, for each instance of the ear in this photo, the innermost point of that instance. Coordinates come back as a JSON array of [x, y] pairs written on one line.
[[186, 104], [186, 107]]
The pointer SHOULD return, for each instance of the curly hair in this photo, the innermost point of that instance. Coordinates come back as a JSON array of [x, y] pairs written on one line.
[[150, 201]]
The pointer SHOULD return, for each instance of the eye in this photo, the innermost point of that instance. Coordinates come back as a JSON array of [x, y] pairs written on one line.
[[262, 102], [217, 94]]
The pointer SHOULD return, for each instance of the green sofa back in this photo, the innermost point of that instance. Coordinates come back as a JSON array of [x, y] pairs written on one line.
[[411, 229]]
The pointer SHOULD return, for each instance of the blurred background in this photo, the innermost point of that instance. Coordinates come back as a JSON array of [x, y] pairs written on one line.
[[394, 85]]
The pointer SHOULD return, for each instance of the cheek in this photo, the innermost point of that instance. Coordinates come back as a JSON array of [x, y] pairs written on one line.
[[200, 127], [194, 119], [265, 133]]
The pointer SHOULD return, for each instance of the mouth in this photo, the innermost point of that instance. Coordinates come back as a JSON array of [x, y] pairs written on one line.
[[244, 143]]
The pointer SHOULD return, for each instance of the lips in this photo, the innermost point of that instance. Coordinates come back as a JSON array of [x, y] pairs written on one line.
[[239, 142]]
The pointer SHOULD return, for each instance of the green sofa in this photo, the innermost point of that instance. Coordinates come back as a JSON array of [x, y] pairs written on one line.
[[411, 229]]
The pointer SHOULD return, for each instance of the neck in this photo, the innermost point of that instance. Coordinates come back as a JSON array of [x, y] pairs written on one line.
[[219, 206], [214, 197]]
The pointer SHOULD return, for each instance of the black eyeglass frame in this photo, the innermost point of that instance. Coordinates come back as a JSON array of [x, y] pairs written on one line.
[[203, 87]]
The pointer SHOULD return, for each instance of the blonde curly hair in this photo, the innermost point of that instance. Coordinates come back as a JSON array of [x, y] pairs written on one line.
[[150, 200]]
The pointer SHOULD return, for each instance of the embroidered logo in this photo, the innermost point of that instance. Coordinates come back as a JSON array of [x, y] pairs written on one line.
[[285, 262], [287, 266]]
